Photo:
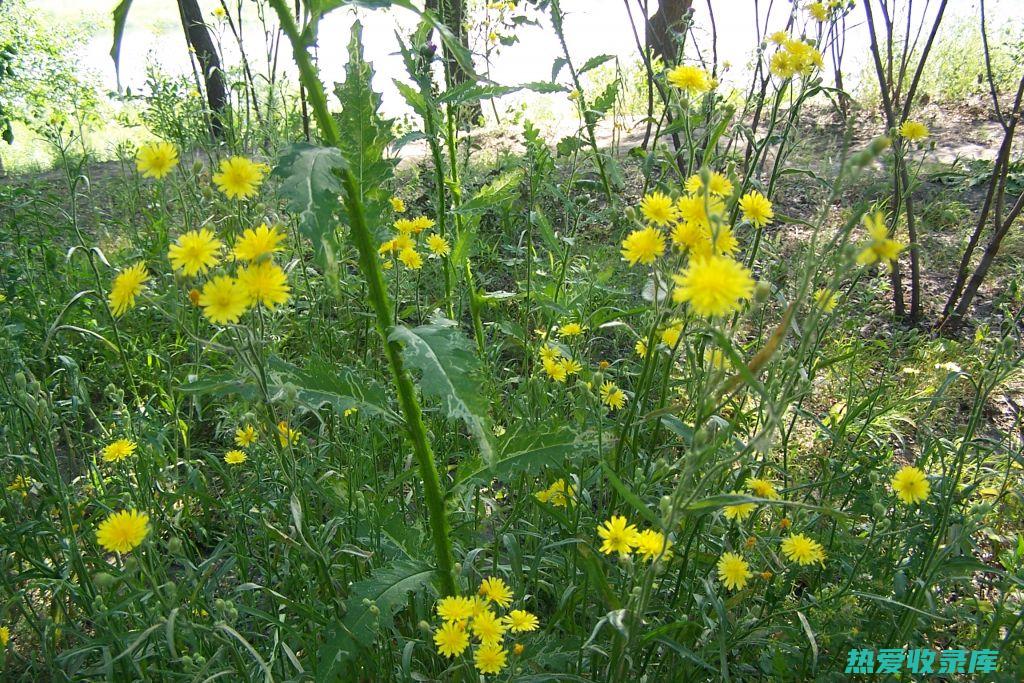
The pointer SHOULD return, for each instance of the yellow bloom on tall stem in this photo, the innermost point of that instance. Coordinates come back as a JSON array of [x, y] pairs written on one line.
[[156, 159], [757, 209], [118, 450], [451, 639], [127, 285], [739, 511], [826, 300], [803, 550], [397, 205], [692, 80], [496, 590], [239, 177], [411, 258], [658, 209], [713, 285], [914, 130], [438, 245], [235, 457], [223, 300], [643, 246], [455, 608], [489, 658], [612, 396], [911, 485], [245, 436], [256, 243], [488, 627], [733, 571], [123, 531], [880, 248], [618, 536], [286, 436], [521, 621], [194, 252], [264, 283], [651, 545], [762, 488]]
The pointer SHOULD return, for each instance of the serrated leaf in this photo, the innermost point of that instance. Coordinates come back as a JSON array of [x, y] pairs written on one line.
[[319, 383], [311, 187], [500, 190], [220, 385], [530, 452], [447, 363], [594, 62]]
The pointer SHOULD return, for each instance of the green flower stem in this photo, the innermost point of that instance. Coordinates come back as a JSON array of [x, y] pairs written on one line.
[[370, 267]]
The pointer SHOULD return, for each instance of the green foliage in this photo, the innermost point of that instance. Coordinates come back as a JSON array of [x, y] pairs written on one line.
[[310, 185]]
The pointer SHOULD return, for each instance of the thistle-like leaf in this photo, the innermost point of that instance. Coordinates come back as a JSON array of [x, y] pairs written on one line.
[[311, 186]]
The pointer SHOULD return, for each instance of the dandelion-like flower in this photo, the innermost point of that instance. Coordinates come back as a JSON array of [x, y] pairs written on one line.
[[570, 330], [438, 245], [245, 436], [521, 621], [119, 450], [397, 205], [264, 283], [411, 258], [123, 531], [286, 435], [490, 658], [718, 184], [818, 11], [555, 369], [452, 638], [692, 80], [658, 209], [194, 252], [914, 131], [156, 159], [5, 636], [880, 248], [487, 627], [911, 485], [223, 300], [670, 335], [612, 396], [826, 300], [127, 285], [239, 177], [618, 536], [803, 550], [713, 285], [496, 590], [757, 209], [762, 488], [739, 511], [455, 608], [733, 571], [643, 246], [256, 243], [651, 545], [235, 457]]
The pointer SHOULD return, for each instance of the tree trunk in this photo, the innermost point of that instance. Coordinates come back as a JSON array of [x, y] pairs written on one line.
[[668, 18], [198, 37]]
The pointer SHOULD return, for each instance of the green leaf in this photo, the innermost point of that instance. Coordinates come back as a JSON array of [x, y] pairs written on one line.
[[448, 365], [384, 592], [594, 62], [311, 186], [220, 385], [630, 497], [320, 383], [499, 191], [120, 20], [529, 452]]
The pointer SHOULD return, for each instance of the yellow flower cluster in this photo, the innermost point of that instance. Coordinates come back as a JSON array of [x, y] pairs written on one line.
[[762, 488], [408, 233], [619, 536], [794, 57], [558, 494], [692, 80], [473, 617], [556, 365]]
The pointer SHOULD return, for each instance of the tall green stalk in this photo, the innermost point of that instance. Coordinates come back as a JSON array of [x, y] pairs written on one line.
[[370, 267]]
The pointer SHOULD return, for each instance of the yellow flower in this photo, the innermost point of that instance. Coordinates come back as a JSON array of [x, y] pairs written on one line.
[[451, 639], [733, 571], [818, 11], [570, 366], [223, 300], [658, 209], [495, 590], [255, 244], [826, 300], [911, 485], [264, 283], [558, 494], [881, 247], [914, 130], [194, 252], [718, 184], [670, 335], [717, 359], [762, 488], [156, 159], [740, 511], [413, 226], [713, 285], [802, 550], [618, 535], [127, 285], [411, 258], [651, 545], [698, 209], [521, 621], [455, 608], [239, 177], [691, 79], [570, 330], [5, 636], [245, 436], [555, 369], [123, 531], [490, 658], [438, 245], [286, 436], [779, 37], [397, 205], [782, 65], [219, 12], [643, 246], [404, 226], [487, 627], [118, 450], [549, 352], [612, 396], [518, 648], [641, 348], [235, 457], [20, 483], [756, 208]]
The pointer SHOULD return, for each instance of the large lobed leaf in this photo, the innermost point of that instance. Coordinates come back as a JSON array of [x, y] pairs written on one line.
[[311, 186], [450, 370]]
